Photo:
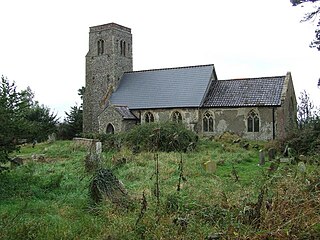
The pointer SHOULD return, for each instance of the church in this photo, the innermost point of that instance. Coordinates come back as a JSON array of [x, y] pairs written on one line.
[[117, 98]]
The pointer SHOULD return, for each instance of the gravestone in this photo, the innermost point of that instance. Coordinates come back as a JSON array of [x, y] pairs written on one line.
[[302, 167], [271, 154], [210, 166], [261, 157], [105, 185], [98, 148]]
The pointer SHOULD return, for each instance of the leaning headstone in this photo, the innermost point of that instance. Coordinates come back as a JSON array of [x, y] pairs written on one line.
[[105, 185], [261, 157], [210, 166], [271, 154], [98, 147], [285, 152]]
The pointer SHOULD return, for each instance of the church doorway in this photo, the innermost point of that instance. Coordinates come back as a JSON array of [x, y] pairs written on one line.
[[110, 129]]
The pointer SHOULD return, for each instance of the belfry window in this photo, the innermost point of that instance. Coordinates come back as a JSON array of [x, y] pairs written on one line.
[[176, 117], [148, 117], [253, 122], [122, 48], [207, 122], [100, 47]]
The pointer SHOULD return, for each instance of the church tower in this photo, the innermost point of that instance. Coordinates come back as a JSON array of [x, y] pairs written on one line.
[[109, 56]]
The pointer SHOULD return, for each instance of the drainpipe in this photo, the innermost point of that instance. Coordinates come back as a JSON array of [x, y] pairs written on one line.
[[273, 124]]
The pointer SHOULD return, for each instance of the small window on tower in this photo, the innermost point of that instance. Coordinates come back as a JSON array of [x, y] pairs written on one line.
[[122, 48], [100, 47]]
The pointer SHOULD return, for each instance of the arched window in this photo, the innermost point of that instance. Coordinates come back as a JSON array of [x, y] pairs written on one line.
[[148, 117], [207, 122], [110, 129], [100, 47], [253, 122], [122, 48], [177, 117]]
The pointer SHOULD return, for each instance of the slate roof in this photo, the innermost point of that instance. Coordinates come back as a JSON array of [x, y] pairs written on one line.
[[125, 113], [265, 91], [164, 88]]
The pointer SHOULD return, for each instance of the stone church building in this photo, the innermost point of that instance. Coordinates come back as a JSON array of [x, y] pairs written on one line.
[[117, 98]]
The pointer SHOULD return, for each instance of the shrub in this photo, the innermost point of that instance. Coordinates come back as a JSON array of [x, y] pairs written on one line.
[[167, 137], [307, 139]]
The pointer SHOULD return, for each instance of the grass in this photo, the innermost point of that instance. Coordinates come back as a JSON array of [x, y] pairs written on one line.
[[48, 198]]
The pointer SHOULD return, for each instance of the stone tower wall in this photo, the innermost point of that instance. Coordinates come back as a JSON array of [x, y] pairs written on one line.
[[109, 56]]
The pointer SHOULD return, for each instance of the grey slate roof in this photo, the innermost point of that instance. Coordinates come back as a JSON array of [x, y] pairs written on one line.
[[264, 91], [164, 88], [125, 113]]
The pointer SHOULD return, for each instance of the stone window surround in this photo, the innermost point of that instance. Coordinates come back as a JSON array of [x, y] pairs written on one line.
[[100, 45], [207, 122], [176, 116], [108, 127], [148, 117], [253, 122]]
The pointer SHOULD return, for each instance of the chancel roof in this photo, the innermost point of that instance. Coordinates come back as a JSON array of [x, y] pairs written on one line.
[[265, 91], [164, 88]]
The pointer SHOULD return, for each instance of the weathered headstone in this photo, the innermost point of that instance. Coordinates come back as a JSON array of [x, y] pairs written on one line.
[[285, 152], [261, 157], [302, 167], [105, 185], [286, 160], [271, 154], [98, 147], [210, 166]]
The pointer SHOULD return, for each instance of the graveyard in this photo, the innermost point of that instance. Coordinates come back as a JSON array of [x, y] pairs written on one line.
[[224, 188]]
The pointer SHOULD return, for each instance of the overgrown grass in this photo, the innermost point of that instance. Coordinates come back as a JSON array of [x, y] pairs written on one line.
[[48, 198]]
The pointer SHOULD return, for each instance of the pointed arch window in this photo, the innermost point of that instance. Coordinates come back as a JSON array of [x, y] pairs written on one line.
[[148, 117], [110, 129], [176, 117], [122, 48], [100, 47], [207, 122], [253, 122]]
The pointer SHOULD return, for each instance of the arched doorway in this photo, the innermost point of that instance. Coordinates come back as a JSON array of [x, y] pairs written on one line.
[[110, 129]]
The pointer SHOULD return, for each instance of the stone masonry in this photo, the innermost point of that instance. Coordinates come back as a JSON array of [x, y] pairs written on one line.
[[109, 56]]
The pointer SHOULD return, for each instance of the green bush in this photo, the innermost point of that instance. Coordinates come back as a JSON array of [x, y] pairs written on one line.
[[306, 140], [167, 137]]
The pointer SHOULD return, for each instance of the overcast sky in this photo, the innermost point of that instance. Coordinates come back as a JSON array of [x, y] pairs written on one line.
[[43, 43]]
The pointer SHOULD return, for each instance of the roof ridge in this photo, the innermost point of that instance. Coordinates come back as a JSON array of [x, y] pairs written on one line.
[[251, 78], [163, 69]]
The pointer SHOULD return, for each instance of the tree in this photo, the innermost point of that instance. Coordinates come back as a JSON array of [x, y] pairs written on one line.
[[13, 105], [42, 122], [306, 111], [21, 118], [72, 124], [311, 16]]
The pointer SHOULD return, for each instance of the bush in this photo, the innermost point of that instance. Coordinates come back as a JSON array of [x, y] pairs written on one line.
[[167, 137], [306, 140]]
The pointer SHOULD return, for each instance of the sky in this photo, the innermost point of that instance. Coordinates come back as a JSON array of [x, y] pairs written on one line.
[[43, 43]]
